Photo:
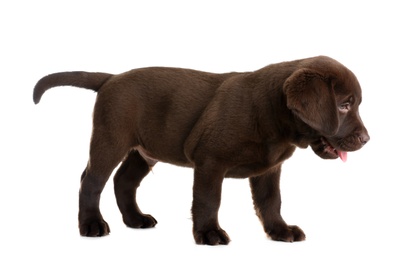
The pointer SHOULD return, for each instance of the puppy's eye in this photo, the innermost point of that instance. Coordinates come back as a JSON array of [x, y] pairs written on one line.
[[344, 107]]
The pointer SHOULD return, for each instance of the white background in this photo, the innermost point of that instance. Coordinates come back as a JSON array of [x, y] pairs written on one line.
[[353, 210]]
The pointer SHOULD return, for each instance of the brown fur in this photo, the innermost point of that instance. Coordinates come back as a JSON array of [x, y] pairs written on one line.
[[241, 125]]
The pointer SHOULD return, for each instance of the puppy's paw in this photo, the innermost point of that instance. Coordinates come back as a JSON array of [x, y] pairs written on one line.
[[211, 237], [140, 221], [286, 233], [94, 228]]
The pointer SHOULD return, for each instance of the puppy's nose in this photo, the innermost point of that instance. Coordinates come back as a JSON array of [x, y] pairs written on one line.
[[364, 138]]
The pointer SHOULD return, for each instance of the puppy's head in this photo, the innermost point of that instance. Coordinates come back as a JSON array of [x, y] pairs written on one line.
[[325, 95]]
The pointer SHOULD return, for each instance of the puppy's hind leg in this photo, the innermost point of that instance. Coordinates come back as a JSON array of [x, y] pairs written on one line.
[[106, 153], [126, 181]]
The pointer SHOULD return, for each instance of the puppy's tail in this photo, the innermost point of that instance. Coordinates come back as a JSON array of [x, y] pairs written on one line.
[[81, 79]]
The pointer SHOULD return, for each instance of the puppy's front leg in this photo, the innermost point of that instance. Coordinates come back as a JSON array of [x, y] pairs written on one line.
[[267, 203], [207, 190]]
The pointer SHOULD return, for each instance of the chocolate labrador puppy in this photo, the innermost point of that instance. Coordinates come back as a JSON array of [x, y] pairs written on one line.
[[239, 125]]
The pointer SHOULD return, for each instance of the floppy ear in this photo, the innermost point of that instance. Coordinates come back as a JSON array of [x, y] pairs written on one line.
[[312, 99]]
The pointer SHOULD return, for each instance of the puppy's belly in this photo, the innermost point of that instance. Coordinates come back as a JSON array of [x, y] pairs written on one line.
[[152, 158], [147, 156], [241, 171]]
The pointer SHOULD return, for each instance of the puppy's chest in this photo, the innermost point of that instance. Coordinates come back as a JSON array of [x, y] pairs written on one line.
[[258, 161]]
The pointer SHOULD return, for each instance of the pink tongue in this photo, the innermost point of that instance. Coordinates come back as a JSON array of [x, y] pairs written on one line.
[[343, 155]]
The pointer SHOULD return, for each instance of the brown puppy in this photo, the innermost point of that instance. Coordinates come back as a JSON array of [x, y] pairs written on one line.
[[223, 125]]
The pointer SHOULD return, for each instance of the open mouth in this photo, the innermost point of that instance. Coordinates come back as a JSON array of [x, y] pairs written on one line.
[[332, 152]]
